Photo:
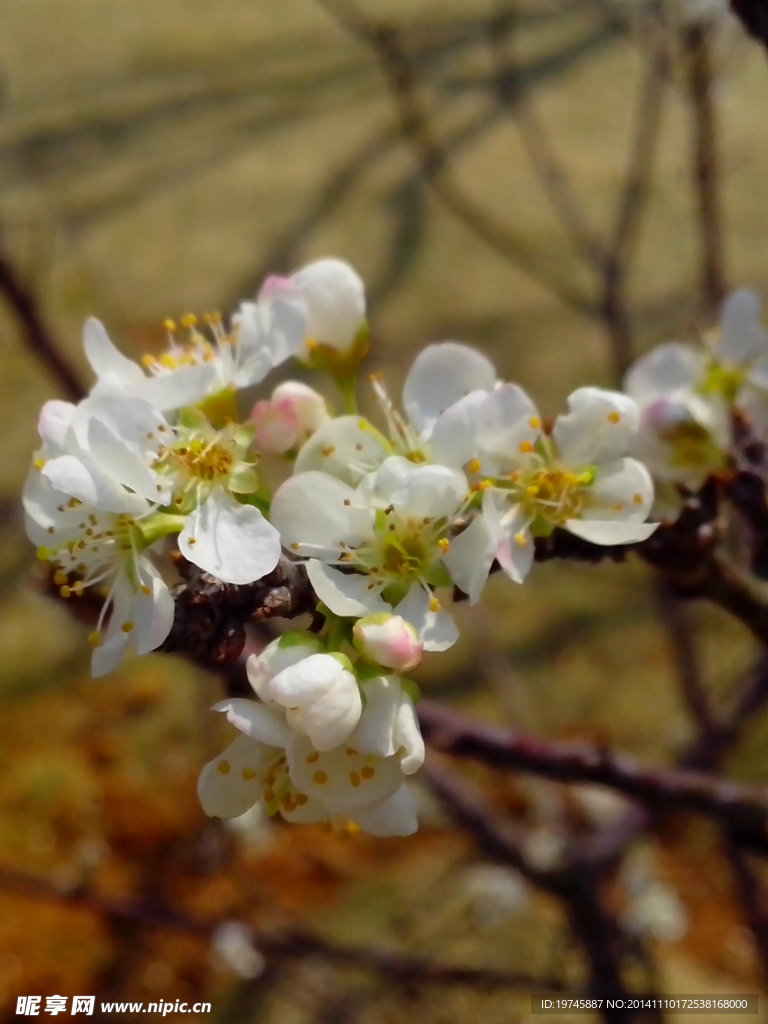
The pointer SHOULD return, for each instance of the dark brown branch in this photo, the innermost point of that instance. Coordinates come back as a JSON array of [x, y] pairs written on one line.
[[740, 806], [754, 17], [705, 163], [36, 333], [290, 944]]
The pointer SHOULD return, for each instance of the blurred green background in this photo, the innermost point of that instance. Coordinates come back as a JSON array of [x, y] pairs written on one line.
[[160, 157]]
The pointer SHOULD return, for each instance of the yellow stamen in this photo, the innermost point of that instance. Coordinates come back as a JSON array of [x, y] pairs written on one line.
[[534, 423], [473, 466], [314, 756], [520, 540], [320, 778], [248, 774], [94, 639], [444, 544], [169, 325], [434, 604], [65, 591], [60, 578], [223, 767], [526, 447], [127, 626], [367, 772], [188, 320], [613, 417], [39, 463]]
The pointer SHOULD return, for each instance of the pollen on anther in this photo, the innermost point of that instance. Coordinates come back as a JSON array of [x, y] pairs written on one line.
[[520, 540], [444, 544], [314, 756], [532, 491], [534, 423], [192, 541], [223, 767], [65, 591], [294, 546], [169, 325], [94, 639], [39, 463], [188, 320], [347, 502], [638, 499], [301, 799], [473, 466], [526, 447], [434, 604], [328, 451], [248, 774], [613, 417], [148, 360], [367, 772], [145, 589], [321, 778], [60, 578], [127, 626], [618, 506], [358, 447], [354, 778]]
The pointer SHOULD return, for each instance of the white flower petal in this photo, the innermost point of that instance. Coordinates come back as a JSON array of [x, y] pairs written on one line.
[[437, 629], [441, 375], [341, 779], [742, 338], [419, 492], [54, 423], [454, 437], [255, 720], [610, 532], [233, 542], [277, 656], [395, 816], [507, 524], [621, 490], [313, 512], [507, 424], [599, 427], [104, 358], [329, 720], [186, 386], [375, 732], [346, 594], [304, 681], [122, 464], [229, 785], [408, 737], [82, 478], [152, 613], [470, 557], [347, 448], [667, 368]]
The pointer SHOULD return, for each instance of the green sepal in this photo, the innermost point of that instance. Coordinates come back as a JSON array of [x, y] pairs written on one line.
[[295, 638], [158, 525], [343, 660], [410, 688]]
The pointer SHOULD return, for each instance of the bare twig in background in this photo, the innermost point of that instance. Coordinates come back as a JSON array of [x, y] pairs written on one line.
[[36, 333], [285, 944], [387, 45], [706, 163]]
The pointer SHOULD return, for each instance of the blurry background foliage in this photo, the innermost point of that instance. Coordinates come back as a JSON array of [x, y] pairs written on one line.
[[157, 158]]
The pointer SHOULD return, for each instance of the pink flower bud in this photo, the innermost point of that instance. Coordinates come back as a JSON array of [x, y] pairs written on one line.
[[277, 427], [388, 640]]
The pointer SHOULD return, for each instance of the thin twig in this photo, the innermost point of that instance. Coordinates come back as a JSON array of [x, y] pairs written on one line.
[[705, 163], [36, 333]]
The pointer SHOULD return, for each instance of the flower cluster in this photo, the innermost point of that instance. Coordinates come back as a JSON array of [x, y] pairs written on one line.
[[390, 515]]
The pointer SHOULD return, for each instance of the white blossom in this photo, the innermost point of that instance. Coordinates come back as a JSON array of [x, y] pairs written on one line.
[[576, 477], [203, 362], [388, 724], [392, 530], [318, 690], [441, 394], [334, 298]]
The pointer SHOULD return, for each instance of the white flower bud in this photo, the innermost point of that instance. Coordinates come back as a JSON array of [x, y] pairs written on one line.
[[334, 296], [389, 641], [289, 418]]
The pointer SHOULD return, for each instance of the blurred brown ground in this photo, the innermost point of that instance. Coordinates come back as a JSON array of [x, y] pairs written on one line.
[[159, 157]]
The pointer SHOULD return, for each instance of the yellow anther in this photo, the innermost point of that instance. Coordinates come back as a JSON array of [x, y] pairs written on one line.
[[444, 544], [169, 361], [145, 589], [39, 463], [60, 578], [526, 447], [320, 778], [301, 799], [314, 756], [328, 451], [638, 499], [192, 541], [367, 772], [78, 588], [520, 540], [248, 774], [311, 344], [127, 626], [94, 639], [618, 506], [65, 591], [354, 778], [534, 423], [571, 479], [473, 466], [223, 767], [188, 320], [169, 325], [532, 491], [434, 604], [362, 425], [148, 360], [613, 417]]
